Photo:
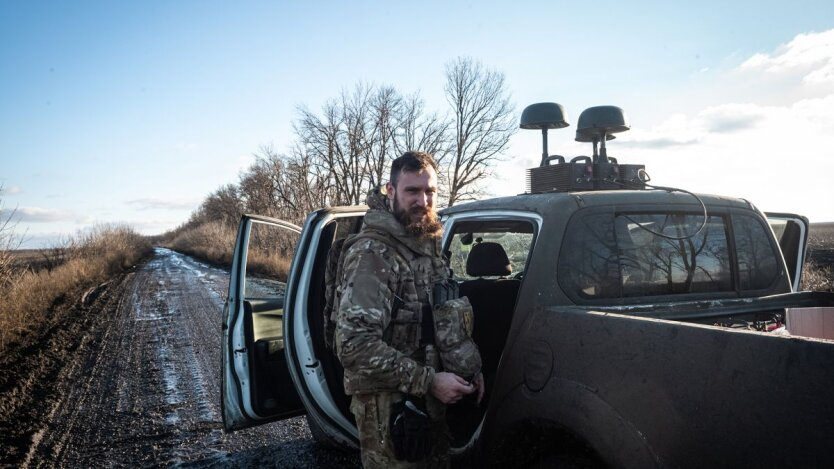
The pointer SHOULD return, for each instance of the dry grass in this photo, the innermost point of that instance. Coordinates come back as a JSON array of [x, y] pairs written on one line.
[[91, 258], [818, 273], [270, 265], [213, 242], [8, 243], [817, 277], [269, 254]]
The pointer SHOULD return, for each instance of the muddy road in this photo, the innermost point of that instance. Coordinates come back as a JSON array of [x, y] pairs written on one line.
[[145, 390]]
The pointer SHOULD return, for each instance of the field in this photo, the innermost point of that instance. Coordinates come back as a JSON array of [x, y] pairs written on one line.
[[819, 265], [38, 259], [821, 243]]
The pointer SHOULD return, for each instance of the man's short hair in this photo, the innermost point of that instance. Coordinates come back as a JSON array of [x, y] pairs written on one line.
[[412, 162]]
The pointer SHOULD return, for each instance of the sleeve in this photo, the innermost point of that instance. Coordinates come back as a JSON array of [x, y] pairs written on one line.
[[369, 283]]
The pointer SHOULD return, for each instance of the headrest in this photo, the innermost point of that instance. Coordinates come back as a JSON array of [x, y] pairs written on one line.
[[488, 259]]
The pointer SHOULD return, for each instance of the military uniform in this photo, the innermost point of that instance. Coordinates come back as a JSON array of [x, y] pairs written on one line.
[[382, 355]]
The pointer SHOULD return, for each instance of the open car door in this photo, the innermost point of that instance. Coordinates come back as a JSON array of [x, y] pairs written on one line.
[[256, 385], [791, 232], [275, 363]]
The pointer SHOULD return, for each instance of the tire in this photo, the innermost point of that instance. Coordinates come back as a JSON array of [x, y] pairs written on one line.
[[567, 461], [322, 438]]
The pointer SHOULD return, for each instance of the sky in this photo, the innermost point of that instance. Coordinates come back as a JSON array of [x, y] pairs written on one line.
[[133, 112]]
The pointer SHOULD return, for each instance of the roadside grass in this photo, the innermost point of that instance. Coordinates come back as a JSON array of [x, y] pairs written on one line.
[[28, 294], [270, 253], [213, 242]]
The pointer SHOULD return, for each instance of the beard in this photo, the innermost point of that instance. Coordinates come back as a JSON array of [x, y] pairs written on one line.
[[426, 225]]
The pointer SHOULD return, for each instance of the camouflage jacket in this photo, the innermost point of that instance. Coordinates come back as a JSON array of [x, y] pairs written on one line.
[[380, 352]]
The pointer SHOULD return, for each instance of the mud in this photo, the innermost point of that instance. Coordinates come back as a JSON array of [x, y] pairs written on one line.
[[131, 377]]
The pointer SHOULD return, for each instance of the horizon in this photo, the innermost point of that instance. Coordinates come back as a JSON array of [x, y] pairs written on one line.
[[133, 114]]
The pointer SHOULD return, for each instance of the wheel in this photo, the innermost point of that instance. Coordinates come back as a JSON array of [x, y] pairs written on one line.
[[568, 461], [320, 437]]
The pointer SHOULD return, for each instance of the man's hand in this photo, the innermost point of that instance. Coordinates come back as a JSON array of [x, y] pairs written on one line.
[[479, 385], [449, 388]]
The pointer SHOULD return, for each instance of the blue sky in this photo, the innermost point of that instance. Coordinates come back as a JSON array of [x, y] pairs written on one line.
[[135, 111]]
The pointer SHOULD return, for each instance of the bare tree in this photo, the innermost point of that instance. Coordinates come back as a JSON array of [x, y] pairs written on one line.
[[418, 130], [298, 186], [484, 123], [356, 136], [421, 131], [385, 107], [257, 190], [337, 142], [224, 205]]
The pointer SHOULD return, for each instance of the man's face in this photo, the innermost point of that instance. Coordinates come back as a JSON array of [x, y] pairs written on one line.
[[412, 200]]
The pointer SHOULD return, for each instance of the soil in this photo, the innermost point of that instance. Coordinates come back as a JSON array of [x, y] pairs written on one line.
[[130, 376]]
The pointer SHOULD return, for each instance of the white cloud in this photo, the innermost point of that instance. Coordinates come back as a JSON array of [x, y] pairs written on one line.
[[677, 130], [779, 157], [811, 55], [162, 204], [731, 117], [10, 190], [44, 215], [154, 227], [772, 145], [37, 215]]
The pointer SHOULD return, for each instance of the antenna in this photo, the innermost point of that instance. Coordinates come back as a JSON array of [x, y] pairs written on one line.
[[544, 116], [582, 173], [597, 124]]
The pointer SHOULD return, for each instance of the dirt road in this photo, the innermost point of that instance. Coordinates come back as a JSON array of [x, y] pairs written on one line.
[[145, 389]]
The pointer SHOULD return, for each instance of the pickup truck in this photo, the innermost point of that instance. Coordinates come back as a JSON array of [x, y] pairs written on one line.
[[637, 328]]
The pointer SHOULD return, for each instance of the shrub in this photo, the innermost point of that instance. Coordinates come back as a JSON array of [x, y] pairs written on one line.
[[270, 251], [92, 257], [212, 241]]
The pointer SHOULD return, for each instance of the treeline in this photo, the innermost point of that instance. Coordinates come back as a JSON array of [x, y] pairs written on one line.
[[343, 150]]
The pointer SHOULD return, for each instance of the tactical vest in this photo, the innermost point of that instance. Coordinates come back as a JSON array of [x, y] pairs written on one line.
[[412, 296], [418, 267]]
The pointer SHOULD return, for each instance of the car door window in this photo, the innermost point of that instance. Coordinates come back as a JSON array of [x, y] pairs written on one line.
[[515, 245], [268, 259]]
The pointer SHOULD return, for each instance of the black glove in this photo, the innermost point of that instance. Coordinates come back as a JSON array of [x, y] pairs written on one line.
[[411, 432]]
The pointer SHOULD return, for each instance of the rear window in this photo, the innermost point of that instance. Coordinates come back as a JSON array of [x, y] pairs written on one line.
[[623, 255], [757, 267]]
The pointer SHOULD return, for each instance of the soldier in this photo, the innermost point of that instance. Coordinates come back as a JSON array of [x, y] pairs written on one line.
[[385, 337]]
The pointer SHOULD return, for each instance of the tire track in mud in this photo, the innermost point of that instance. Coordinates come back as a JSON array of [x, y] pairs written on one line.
[[146, 392]]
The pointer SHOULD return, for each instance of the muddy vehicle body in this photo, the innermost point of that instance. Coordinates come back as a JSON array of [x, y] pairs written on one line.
[[638, 328]]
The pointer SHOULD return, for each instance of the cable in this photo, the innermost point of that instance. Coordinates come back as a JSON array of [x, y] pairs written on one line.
[[629, 184]]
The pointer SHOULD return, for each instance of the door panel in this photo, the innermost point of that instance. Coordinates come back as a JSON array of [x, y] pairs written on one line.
[[315, 370], [792, 234], [257, 387]]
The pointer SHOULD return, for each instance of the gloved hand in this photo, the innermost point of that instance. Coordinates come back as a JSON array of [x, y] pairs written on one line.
[[410, 430]]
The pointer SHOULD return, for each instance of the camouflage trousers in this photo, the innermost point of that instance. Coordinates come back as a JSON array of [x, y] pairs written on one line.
[[373, 416]]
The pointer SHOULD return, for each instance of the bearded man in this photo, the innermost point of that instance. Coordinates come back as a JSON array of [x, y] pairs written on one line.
[[385, 337]]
